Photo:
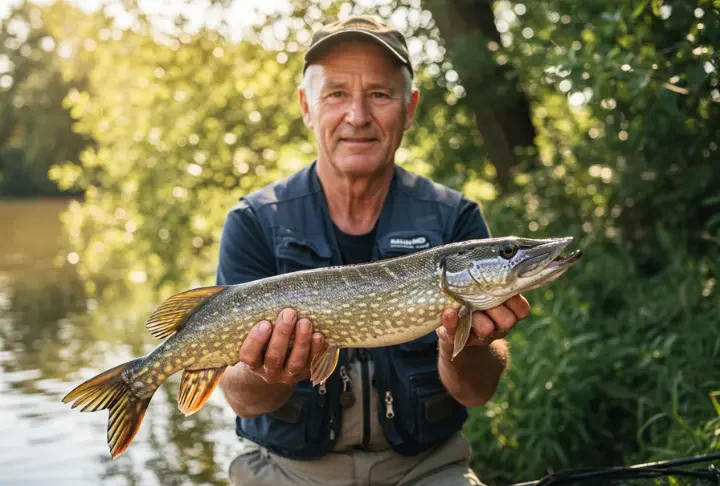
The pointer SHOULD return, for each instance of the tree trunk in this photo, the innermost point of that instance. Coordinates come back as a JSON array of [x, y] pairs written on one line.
[[501, 109]]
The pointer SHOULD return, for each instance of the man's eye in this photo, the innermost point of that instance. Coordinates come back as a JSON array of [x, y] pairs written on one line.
[[336, 94], [379, 94]]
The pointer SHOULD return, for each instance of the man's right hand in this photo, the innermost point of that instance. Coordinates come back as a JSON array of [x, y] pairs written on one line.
[[280, 363], [262, 381]]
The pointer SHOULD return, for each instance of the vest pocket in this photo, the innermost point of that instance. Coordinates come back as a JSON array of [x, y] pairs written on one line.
[[293, 427], [293, 253], [424, 413]]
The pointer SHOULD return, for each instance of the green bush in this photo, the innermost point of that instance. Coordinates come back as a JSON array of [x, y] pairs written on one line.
[[616, 365]]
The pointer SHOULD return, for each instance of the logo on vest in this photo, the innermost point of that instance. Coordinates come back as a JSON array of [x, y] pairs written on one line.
[[416, 243]]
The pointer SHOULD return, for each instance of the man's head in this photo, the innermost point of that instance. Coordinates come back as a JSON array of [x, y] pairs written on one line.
[[357, 95]]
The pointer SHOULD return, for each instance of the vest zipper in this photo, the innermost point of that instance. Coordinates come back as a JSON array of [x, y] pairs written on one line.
[[345, 378], [363, 356], [389, 412], [347, 398]]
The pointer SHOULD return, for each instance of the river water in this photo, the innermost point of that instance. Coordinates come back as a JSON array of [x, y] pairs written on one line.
[[52, 337]]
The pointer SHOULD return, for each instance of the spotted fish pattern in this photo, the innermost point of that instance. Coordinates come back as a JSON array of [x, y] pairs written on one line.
[[367, 305]]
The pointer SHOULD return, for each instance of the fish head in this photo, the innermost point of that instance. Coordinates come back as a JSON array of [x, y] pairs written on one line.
[[485, 273]]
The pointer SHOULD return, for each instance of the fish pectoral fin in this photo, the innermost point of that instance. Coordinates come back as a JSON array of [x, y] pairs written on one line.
[[462, 333], [172, 314], [109, 391], [196, 386], [323, 365]]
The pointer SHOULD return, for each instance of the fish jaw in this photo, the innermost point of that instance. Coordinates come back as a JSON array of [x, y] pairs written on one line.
[[553, 269], [539, 257]]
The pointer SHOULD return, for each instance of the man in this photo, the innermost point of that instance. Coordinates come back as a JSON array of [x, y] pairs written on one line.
[[387, 415]]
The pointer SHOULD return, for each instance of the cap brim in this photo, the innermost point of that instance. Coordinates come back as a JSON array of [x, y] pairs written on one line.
[[349, 33]]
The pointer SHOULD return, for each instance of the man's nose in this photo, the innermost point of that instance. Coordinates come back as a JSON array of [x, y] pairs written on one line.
[[358, 110]]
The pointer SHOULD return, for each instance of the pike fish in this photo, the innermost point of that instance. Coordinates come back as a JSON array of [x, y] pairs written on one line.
[[366, 305]]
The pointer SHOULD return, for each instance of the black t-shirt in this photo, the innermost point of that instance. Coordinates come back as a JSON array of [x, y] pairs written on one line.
[[355, 248], [246, 256]]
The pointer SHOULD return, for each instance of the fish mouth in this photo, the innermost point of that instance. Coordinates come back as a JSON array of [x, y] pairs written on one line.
[[545, 261], [562, 261]]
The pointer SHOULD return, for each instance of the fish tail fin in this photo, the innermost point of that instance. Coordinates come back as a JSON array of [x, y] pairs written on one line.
[[108, 391]]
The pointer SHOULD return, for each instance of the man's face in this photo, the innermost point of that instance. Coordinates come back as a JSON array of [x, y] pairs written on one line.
[[355, 106]]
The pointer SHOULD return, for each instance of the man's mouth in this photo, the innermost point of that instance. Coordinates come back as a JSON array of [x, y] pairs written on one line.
[[358, 140]]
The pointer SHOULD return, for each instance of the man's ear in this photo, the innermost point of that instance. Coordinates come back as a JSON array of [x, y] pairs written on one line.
[[305, 107], [412, 108]]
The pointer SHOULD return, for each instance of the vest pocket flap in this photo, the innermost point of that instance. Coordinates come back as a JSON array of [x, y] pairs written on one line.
[[308, 251], [402, 242]]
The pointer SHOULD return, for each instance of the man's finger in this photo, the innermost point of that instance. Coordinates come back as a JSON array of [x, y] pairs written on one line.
[[449, 318], [278, 346], [519, 306], [251, 350], [298, 359], [503, 317], [482, 325]]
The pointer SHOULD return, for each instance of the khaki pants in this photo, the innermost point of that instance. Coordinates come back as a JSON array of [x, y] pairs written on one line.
[[445, 465]]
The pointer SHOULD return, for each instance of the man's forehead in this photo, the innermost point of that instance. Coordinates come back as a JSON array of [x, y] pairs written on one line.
[[353, 77]]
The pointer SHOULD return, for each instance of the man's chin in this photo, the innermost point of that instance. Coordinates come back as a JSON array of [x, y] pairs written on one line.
[[358, 164]]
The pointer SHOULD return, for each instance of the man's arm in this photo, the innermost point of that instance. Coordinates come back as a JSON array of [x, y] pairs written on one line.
[[472, 377], [263, 379]]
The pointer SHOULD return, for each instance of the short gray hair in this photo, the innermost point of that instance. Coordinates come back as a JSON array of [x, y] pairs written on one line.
[[408, 84]]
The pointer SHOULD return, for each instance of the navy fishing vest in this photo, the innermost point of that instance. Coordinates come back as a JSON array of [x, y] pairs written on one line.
[[417, 214]]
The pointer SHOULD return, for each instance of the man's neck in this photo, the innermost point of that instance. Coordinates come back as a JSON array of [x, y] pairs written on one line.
[[354, 203]]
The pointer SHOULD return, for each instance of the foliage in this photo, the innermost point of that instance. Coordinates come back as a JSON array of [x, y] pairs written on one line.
[[35, 129], [616, 364], [183, 129]]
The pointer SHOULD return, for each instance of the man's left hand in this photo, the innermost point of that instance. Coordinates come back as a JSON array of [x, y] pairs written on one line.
[[488, 325]]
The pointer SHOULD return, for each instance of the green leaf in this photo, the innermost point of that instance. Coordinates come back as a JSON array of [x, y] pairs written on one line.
[[713, 221], [714, 399], [640, 9], [712, 200], [656, 4]]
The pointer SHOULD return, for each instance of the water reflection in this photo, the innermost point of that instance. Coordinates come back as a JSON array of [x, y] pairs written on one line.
[[52, 336]]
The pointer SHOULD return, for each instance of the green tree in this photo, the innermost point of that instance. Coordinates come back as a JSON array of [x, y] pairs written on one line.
[[183, 128], [35, 128]]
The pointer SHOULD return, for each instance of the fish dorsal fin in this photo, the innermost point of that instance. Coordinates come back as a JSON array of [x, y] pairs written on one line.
[[170, 316]]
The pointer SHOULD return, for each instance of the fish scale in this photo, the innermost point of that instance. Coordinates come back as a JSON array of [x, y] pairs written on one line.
[[365, 305]]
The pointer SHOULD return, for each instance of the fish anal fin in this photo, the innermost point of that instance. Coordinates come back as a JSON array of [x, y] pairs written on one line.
[[109, 391], [196, 387], [170, 316], [463, 330], [323, 365]]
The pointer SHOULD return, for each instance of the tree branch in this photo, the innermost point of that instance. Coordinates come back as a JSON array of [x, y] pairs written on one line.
[[501, 109]]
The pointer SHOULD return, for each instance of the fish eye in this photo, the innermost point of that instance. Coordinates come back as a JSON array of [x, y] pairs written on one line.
[[508, 251]]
